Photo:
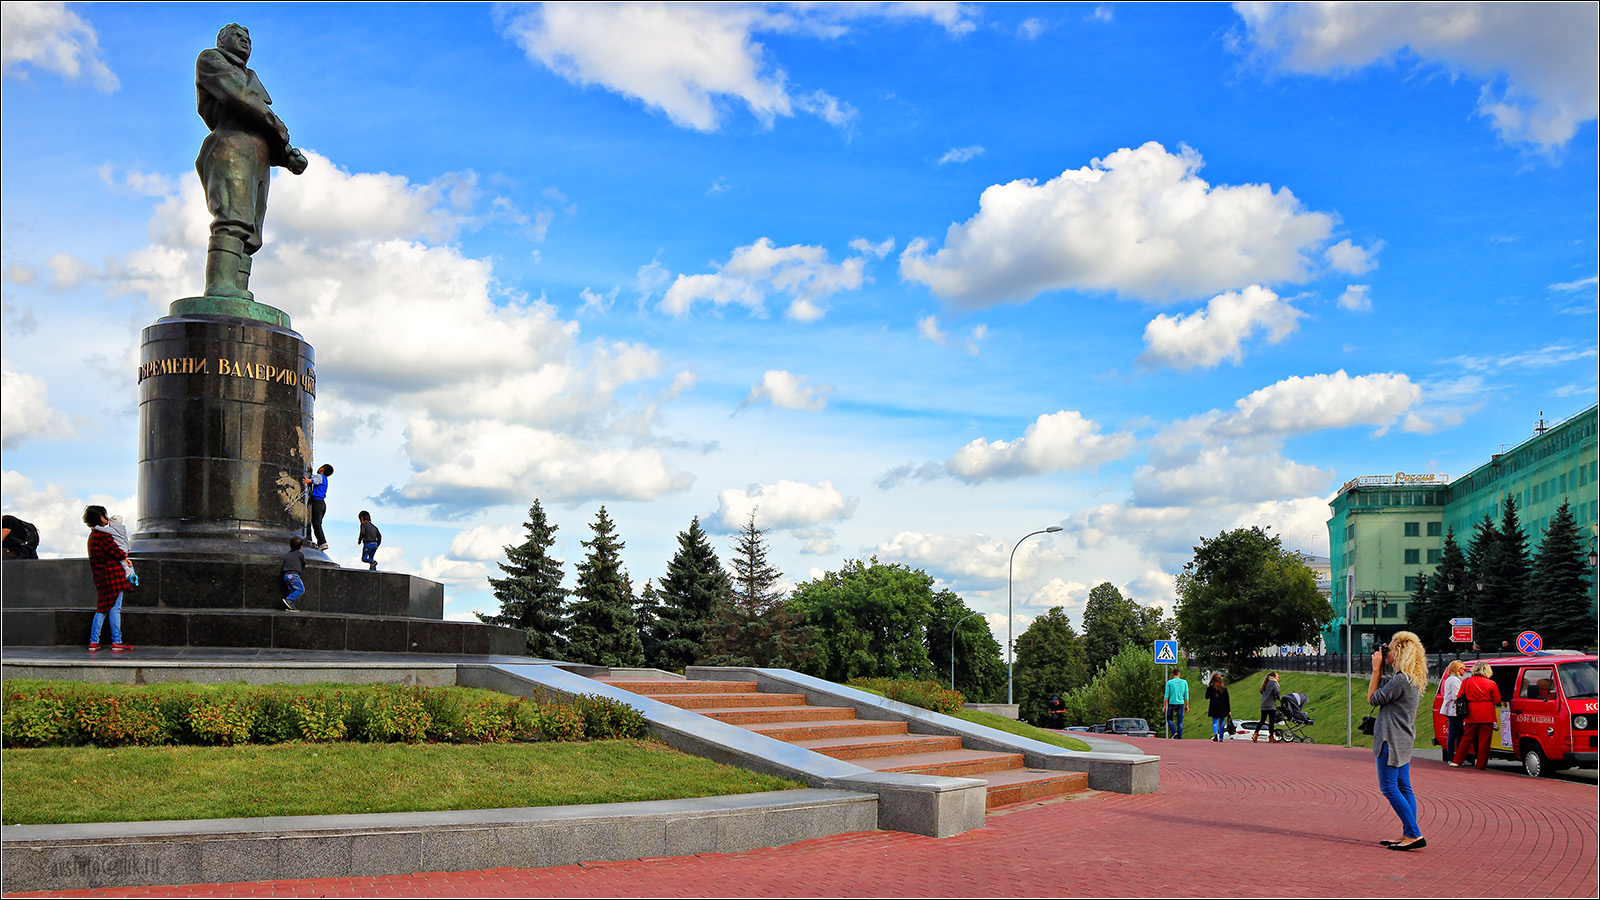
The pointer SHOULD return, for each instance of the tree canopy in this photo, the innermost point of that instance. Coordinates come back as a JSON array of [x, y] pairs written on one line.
[[1500, 607], [870, 621], [1243, 591], [1051, 661], [531, 596], [980, 672], [685, 601], [1559, 592], [1112, 621], [751, 625]]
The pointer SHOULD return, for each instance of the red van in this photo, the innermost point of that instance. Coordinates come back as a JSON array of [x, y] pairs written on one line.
[[1549, 707]]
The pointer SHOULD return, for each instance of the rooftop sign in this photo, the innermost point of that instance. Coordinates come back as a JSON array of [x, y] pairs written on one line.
[[1398, 479]]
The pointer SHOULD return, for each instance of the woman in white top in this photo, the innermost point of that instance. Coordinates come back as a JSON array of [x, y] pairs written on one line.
[[1449, 690]]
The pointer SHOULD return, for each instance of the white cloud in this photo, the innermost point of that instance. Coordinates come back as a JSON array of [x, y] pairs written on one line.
[[689, 60], [1578, 285], [1537, 62], [978, 333], [1206, 337], [48, 37], [1141, 223], [801, 271], [58, 517], [1356, 297], [486, 542], [784, 505], [928, 327], [455, 571], [972, 560], [819, 541], [1301, 404], [1352, 259], [1225, 474], [68, 271], [1548, 355], [1055, 442], [960, 154], [1031, 28], [1169, 534], [1102, 13], [17, 273], [25, 410], [788, 391]]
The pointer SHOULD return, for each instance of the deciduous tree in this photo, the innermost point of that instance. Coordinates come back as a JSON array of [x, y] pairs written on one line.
[[1243, 591], [980, 672], [870, 621], [1050, 661], [1112, 621]]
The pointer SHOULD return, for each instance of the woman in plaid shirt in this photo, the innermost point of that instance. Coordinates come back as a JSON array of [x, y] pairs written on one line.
[[110, 579]]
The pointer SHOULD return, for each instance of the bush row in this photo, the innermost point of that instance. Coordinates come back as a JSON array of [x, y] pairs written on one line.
[[926, 694], [63, 714]]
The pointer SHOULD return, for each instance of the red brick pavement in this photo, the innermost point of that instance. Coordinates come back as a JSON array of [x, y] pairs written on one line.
[[1230, 819]]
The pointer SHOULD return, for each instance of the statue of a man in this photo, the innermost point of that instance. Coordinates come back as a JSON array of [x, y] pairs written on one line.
[[247, 139]]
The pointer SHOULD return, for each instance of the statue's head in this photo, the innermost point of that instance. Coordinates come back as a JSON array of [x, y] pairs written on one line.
[[234, 39]]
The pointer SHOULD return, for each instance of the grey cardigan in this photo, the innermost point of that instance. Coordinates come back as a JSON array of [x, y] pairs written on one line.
[[1396, 699]]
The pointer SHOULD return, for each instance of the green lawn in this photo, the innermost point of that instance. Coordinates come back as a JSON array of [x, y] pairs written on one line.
[[1022, 729], [1325, 702], [131, 784]]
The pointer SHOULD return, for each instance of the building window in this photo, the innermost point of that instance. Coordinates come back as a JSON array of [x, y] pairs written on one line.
[[1350, 532], [1413, 557], [1390, 610], [1411, 583], [1435, 529], [1433, 557], [1413, 529]]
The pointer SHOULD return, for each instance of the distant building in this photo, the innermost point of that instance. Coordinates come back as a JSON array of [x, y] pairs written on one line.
[[1388, 530]]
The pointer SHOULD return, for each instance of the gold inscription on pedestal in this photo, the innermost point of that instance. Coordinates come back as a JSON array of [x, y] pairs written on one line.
[[199, 365]]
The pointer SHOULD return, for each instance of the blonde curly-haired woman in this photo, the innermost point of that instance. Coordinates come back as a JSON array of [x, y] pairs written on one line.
[[1395, 731]]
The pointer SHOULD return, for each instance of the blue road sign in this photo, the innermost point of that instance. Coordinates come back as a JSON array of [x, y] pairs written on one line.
[[1167, 653], [1529, 642]]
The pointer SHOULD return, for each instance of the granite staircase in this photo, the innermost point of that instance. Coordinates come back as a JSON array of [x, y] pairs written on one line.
[[882, 746]]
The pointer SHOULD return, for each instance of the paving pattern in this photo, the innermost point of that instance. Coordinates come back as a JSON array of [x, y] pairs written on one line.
[[1306, 818]]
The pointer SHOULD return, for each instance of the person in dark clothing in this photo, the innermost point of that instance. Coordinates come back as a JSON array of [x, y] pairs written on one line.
[[1058, 711], [21, 539], [110, 578], [319, 504], [294, 565], [369, 539], [1219, 707]]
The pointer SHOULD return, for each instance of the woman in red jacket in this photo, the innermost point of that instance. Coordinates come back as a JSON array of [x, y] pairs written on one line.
[[110, 579], [1482, 696]]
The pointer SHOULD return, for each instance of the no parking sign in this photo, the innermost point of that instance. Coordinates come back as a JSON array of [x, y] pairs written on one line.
[[1529, 643]]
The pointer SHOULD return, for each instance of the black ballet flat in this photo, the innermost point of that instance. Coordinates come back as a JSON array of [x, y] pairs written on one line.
[[1417, 844]]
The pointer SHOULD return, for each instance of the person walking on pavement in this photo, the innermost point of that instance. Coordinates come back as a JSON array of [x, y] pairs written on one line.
[[1482, 696], [1270, 692], [1177, 697], [1219, 707], [1449, 694], [1394, 733]]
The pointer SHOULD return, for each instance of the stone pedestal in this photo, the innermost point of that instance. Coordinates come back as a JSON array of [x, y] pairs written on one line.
[[226, 391]]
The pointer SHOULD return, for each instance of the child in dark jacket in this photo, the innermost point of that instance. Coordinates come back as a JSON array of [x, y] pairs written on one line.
[[369, 540]]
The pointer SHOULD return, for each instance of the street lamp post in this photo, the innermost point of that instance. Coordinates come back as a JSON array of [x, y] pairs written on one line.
[[1011, 651], [953, 647]]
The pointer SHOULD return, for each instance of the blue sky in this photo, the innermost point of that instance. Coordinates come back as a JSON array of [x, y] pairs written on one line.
[[914, 280]]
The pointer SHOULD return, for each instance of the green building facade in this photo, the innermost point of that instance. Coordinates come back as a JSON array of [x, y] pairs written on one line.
[[1388, 530]]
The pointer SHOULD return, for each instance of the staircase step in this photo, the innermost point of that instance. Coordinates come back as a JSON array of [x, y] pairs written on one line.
[[703, 702], [951, 763], [760, 715], [1025, 785], [654, 686], [868, 745], [837, 728]]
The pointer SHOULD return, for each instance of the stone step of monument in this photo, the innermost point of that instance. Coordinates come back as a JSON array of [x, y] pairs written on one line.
[[704, 702], [955, 763], [1027, 785], [654, 687], [789, 732], [870, 745], [761, 715]]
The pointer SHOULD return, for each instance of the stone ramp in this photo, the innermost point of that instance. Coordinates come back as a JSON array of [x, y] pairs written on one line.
[[836, 731]]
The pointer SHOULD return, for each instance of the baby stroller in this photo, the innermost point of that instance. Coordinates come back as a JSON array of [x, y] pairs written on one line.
[[1291, 708]]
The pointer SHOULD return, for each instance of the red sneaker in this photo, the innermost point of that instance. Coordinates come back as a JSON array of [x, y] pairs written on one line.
[[94, 648], [121, 647]]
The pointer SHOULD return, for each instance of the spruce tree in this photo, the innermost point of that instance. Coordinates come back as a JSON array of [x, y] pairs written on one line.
[[1562, 613], [1448, 591], [1485, 538], [689, 592], [1423, 616], [604, 631], [647, 615], [1504, 602], [751, 625], [531, 596]]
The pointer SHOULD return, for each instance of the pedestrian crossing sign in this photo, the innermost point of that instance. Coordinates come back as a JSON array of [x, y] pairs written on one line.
[[1167, 653]]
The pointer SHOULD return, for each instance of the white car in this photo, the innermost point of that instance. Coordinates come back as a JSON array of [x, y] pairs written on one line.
[[1247, 727]]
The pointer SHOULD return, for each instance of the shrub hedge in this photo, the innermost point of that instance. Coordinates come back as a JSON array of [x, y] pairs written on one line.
[[926, 694], [70, 714]]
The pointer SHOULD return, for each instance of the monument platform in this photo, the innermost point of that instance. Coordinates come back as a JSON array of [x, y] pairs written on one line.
[[208, 603]]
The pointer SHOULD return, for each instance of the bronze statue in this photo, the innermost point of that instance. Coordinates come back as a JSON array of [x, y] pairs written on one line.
[[247, 139]]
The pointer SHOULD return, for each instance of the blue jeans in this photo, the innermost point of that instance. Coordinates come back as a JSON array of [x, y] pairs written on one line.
[[99, 621], [1452, 737], [369, 553], [1175, 719], [1219, 727], [295, 586], [1394, 782]]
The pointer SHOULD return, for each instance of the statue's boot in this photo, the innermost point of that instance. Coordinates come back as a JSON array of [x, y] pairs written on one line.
[[243, 278], [223, 258]]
